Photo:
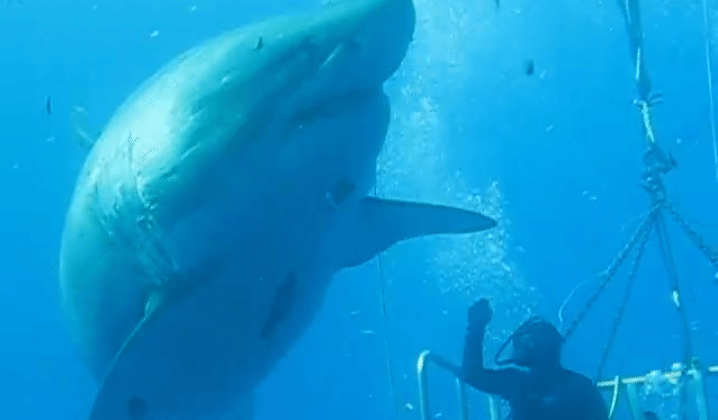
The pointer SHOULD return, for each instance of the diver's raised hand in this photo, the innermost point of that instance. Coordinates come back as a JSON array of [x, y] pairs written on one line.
[[479, 314]]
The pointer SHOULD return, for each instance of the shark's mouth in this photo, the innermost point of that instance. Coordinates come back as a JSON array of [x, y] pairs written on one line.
[[335, 105]]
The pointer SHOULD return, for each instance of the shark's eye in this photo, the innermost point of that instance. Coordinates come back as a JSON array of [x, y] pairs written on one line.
[[308, 48], [341, 192], [136, 408]]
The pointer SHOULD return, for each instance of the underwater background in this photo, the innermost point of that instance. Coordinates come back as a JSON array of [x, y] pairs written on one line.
[[554, 154]]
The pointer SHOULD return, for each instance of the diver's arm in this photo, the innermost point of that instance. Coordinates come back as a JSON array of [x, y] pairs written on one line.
[[503, 382]]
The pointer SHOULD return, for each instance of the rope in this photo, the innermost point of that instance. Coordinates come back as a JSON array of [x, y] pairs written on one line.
[[657, 165], [645, 109], [706, 29], [387, 346]]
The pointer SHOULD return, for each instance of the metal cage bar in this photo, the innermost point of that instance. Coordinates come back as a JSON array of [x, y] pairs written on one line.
[[615, 386], [426, 357], [696, 384]]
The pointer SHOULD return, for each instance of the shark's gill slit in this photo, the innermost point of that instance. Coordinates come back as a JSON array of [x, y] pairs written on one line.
[[281, 305], [334, 105]]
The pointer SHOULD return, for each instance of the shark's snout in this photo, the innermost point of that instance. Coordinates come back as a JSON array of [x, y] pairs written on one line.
[[354, 47], [370, 52]]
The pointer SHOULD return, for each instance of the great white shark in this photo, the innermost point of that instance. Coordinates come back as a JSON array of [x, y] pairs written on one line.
[[222, 197]]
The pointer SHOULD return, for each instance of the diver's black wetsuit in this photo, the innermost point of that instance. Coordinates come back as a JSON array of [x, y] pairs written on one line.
[[549, 394]]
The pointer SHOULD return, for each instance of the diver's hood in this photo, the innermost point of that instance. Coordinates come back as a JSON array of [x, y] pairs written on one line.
[[542, 342]]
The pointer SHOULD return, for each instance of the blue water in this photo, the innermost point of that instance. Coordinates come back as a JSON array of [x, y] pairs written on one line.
[[554, 155]]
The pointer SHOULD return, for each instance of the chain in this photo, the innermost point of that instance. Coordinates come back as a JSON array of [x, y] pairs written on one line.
[[710, 252], [656, 164], [624, 302], [609, 273]]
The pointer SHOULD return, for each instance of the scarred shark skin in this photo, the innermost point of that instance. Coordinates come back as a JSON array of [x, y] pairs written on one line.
[[221, 198]]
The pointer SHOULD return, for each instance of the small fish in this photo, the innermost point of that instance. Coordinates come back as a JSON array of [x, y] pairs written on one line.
[[48, 105], [260, 44], [529, 67]]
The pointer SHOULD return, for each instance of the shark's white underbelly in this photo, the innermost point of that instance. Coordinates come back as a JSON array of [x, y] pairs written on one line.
[[205, 351]]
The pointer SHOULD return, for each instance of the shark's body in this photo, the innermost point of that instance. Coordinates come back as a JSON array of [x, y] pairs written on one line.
[[221, 198]]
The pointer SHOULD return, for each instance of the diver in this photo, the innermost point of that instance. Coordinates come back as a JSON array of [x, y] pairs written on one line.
[[538, 387]]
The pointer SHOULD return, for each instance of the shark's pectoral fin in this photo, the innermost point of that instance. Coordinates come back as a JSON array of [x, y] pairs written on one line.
[[375, 225], [112, 395], [134, 406]]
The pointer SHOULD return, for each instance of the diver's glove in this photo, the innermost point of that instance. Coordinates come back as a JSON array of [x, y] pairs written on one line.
[[479, 315]]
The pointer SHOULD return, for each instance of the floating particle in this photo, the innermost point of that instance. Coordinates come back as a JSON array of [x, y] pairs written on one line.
[[529, 67]]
